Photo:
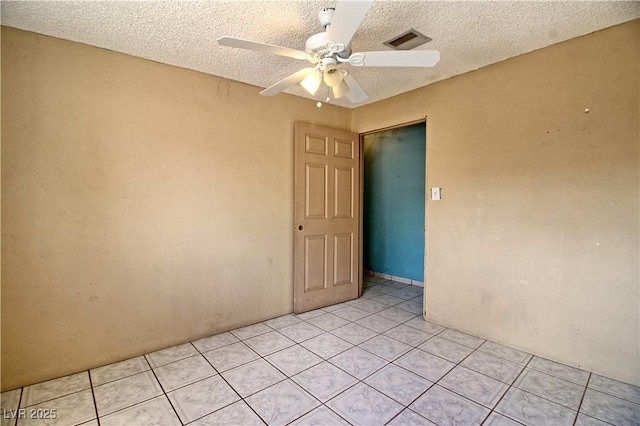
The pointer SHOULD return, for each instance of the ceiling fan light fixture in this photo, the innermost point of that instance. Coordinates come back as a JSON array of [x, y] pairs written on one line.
[[332, 75], [341, 89], [311, 83]]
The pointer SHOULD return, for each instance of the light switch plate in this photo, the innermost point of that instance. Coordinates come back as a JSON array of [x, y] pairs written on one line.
[[435, 193]]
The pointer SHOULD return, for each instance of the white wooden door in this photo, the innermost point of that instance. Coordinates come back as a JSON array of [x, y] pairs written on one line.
[[327, 203]]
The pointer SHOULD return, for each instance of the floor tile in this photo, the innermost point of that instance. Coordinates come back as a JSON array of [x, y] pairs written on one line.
[[397, 315], [610, 409], [184, 372], [55, 388], [372, 292], [615, 388], [496, 419], [408, 292], [310, 314], [300, 332], [553, 388], [489, 365], [584, 420], [293, 360], [253, 377], [363, 405], [446, 349], [375, 279], [201, 398], [369, 305], [425, 326], [462, 338], [474, 386], [237, 413], [388, 299], [281, 403], [10, 399], [385, 347], [337, 306], [533, 410], [446, 408], [123, 393], [327, 322], [228, 357], [409, 335], [377, 323], [566, 372], [326, 345], [156, 411], [118, 370], [357, 362], [268, 343], [409, 418], [250, 331], [398, 383], [505, 352], [321, 416], [411, 306], [425, 364], [283, 321], [351, 313], [354, 333], [214, 342], [69, 410], [175, 353], [324, 381]]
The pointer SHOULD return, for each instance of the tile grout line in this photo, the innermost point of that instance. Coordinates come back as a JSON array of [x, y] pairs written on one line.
[[20, 402], [233, 389], [166, 395], [448, 371], [584, 393], [93, 395], [511, 385]]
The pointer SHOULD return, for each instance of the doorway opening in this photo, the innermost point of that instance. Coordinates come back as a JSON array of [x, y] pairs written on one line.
[[394, 200]]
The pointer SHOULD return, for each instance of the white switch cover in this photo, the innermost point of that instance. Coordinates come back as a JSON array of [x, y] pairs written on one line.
[[435, 193]]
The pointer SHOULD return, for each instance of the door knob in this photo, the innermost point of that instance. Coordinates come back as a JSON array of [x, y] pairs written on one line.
[[300, 227]]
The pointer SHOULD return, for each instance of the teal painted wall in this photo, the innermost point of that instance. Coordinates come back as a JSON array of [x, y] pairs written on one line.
[[394, 200]]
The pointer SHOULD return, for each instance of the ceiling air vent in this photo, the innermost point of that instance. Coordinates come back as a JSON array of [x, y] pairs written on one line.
[[407, 40]]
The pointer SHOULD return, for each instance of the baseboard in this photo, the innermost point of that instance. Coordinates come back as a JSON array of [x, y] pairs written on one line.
[[369, 273]]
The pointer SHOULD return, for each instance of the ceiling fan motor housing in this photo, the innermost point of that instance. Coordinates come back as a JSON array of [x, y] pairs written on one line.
[[319, 46]]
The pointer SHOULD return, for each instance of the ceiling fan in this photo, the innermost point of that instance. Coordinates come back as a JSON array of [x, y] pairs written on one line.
[[329, 49]]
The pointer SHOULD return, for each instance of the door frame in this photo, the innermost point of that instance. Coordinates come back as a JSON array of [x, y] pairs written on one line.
[[426, 196]]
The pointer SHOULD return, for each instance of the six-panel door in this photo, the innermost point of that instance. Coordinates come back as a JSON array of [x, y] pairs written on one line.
[[326, 242]]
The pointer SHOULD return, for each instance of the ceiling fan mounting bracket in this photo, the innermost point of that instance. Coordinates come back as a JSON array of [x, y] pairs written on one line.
[[325, 15]]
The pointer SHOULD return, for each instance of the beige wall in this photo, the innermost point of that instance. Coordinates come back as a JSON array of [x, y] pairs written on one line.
[[535, 241], [143, 205]]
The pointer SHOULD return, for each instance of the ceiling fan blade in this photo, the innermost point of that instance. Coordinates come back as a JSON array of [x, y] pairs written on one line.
[[346, 20], [287, 82], [262, 47], [356, 93], [414, 58], [341, 89]]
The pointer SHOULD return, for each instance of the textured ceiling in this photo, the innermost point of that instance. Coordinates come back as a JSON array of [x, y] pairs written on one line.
[[469, 34]]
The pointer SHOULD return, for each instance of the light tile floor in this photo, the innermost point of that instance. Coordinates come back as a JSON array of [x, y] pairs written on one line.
[[371, 361]]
